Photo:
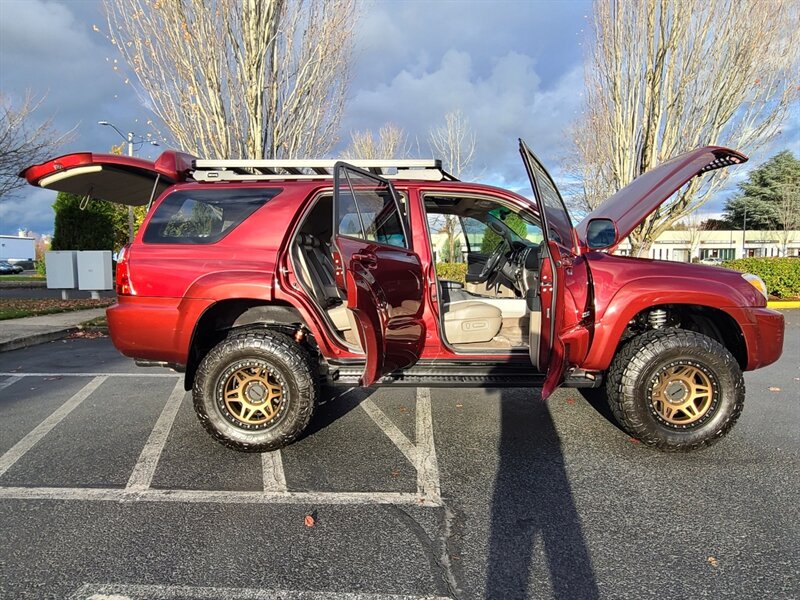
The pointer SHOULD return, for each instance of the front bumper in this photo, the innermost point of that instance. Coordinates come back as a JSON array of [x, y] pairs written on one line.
[[763, 333]]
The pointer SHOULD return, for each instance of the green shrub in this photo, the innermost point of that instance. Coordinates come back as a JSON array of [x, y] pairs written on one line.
[[782, 275], [452, 271]]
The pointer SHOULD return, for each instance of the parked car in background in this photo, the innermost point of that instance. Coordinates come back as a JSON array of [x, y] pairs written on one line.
[[6, 268], [264, 279]]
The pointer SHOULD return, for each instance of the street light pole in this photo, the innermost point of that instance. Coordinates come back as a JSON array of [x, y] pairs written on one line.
[[744, 234], [130, 137], [130, 208]]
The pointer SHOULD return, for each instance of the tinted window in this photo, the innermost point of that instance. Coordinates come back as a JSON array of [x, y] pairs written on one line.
[[366, 208], [203, 216]]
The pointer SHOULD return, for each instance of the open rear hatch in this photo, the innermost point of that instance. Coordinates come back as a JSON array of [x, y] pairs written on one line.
[[120, 179], [637, 200]]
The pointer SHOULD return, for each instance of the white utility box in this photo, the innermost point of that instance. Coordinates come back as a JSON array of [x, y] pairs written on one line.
[[62, 269], [94, 270]]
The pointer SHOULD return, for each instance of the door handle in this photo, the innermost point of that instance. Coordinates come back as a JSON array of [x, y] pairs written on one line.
[[367, 259]]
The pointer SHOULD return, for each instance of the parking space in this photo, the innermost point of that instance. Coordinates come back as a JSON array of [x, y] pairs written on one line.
[[94, 442], [110, 488]]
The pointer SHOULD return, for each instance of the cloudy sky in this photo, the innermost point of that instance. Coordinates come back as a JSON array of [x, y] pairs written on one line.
[[514, 68]]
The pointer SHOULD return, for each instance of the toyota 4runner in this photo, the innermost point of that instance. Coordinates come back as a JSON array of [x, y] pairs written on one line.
[[266, 280]]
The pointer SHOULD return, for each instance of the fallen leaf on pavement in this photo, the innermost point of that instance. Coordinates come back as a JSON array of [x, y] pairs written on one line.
[[310, 521], [570, 400], [395, 473], [403, 410], [713, 561], [633, 440]]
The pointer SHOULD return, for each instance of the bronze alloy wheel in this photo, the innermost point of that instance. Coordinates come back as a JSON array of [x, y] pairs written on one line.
[[253, 394], [682, 394]]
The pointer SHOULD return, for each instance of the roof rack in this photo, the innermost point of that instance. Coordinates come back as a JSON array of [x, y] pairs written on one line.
[[282, 169]]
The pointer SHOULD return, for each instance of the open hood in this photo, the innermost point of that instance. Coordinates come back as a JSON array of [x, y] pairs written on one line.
[[637, 200], [112, 177]]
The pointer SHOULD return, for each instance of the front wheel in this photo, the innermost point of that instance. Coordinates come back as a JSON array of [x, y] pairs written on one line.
[[256, 390], [675, 390]]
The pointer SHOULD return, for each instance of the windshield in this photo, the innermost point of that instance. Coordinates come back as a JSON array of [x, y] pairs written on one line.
[[520, 226]]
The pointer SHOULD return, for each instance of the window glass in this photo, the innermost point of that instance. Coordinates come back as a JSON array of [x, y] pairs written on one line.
[[203, 216], [559, 226], [447, 238], [366, 209]]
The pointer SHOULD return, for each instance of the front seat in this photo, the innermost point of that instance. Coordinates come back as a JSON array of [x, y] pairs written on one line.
[[471, 321]]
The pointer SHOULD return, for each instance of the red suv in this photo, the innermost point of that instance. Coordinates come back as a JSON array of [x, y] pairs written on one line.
[[264, 280]]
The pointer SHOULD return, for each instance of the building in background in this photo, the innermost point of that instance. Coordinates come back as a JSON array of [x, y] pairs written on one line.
[[717, 246], [690, 245], [18, 248]]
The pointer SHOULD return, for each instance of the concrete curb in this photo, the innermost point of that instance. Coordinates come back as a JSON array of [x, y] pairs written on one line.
[[22, 284], [784, 304], [37, 338]]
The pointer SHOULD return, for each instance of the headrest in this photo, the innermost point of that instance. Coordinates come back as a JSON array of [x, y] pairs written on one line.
[[306, 239]]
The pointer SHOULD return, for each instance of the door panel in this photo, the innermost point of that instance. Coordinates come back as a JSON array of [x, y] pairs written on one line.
[[382, 277], [561, 246]]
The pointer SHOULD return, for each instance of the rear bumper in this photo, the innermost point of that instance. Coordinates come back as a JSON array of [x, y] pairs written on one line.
[[763, 334], [156, 329]]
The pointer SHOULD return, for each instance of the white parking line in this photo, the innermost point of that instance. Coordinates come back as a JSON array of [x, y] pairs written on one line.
[[390, 429], [422, 455], [29, 441], [145, 468], [14, 374], [10, 381], [427, 465], [91, 591], [214, 496], [272, 472]]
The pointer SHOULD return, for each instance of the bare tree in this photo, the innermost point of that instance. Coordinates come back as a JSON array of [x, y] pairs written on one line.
[[788, 211], [666, 76], [392, 142], [454, 143], [696, 232], [23, 140], [240, 78]]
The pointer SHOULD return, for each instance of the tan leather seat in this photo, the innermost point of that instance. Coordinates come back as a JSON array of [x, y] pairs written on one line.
[[471, 321]]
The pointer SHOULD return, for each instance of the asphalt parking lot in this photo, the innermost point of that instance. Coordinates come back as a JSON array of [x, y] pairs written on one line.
[[110, 489]]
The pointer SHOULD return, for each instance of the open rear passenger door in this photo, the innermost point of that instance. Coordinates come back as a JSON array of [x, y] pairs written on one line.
[[375, 266], [557, 261]]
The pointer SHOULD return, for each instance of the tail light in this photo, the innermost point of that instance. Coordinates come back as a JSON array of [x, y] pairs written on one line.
[[124, 285]]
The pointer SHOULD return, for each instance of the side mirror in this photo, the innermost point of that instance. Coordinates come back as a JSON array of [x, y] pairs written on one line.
[[601, 234]]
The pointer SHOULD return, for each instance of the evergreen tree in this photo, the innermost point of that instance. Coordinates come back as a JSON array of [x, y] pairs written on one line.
[[765, 194], [88, 228]]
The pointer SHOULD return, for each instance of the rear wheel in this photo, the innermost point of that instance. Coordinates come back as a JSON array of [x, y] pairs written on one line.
[[675, 390], [256, 390]]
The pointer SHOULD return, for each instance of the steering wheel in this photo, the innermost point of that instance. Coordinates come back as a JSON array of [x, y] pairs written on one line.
[[493, 262]]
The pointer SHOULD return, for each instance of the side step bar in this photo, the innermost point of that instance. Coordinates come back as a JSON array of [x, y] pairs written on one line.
[[442, 374]]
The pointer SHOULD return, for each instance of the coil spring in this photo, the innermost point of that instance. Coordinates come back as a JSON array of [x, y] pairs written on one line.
[[657, 318]]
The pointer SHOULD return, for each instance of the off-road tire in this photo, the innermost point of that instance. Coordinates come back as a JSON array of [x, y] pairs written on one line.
[[289, 360], [633, 373]]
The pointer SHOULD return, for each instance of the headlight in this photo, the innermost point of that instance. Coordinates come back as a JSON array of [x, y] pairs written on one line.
[[757, 283]]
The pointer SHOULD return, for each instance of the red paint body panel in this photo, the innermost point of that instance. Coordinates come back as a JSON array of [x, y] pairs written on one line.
[[633, 203], [385, 291], [625, 286], [171, 165]]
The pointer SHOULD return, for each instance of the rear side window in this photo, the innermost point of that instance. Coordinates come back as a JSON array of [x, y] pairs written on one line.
[[203, 216], [368, 209]]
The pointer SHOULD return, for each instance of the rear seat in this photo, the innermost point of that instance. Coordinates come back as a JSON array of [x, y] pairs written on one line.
[[316, 264]]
